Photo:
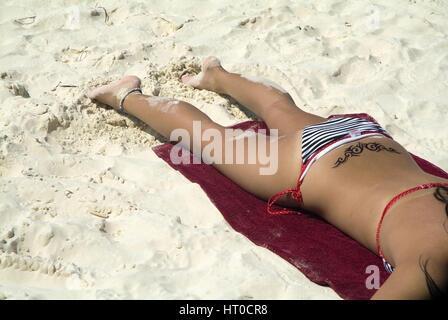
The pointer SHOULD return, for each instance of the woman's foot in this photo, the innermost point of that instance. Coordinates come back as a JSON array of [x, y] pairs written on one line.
[[207, 78], [112, 93]]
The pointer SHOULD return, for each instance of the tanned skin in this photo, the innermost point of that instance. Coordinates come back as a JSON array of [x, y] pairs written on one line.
[[348, 187]]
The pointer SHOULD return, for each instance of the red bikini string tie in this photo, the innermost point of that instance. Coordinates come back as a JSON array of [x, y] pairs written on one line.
[[295, 194], [395, 199]]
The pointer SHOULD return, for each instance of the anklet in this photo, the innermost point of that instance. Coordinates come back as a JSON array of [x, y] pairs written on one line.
[[124, 97]]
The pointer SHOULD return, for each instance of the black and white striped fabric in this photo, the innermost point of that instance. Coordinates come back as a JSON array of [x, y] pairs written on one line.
[[318, 136], [388, 266]]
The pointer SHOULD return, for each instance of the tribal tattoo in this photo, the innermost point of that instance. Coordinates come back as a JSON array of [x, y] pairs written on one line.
[[356, 150]]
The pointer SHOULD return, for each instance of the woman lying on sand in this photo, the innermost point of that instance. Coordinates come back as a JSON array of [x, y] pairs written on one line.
[[365, 183]]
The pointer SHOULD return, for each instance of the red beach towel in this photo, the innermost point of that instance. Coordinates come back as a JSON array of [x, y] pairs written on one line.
[[321, 252]]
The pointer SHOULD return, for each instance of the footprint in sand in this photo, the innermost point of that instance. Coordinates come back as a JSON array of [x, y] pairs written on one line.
[[165, 25], [18, 89], [354, 71]]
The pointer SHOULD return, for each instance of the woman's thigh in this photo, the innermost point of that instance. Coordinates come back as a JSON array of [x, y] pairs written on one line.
[[285, 116], [274, 164], [262, 165]]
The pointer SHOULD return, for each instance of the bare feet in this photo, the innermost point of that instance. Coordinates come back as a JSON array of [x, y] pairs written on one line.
[[112, 93], [207, 78]]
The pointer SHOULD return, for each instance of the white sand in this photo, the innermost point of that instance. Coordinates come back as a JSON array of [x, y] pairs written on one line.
[[61, 156]]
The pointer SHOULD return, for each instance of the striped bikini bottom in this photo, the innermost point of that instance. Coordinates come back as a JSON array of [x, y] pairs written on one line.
[[321, 138]]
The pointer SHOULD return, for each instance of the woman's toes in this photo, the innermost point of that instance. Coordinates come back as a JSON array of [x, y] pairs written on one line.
[[110, 94], [210, 62], [193, 81], [206, 79], [95, 92], [91, 93]]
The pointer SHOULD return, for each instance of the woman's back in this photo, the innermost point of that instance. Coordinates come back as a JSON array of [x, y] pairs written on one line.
[[352, 194]]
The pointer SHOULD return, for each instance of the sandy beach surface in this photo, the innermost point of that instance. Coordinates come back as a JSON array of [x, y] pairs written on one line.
[[88, 211]]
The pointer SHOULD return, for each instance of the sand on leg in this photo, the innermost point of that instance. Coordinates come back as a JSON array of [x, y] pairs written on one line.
[[279, 156], [266, 99]]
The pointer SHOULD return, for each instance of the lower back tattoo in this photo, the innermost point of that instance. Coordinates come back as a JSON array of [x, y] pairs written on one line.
[[356, 150]]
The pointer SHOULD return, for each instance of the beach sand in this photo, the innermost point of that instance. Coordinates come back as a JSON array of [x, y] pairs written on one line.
[[88, 211]]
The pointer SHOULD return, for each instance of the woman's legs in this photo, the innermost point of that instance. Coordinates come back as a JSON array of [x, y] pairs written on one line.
[[271, 103], [162, 114], [275, 107], [166, 115]]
